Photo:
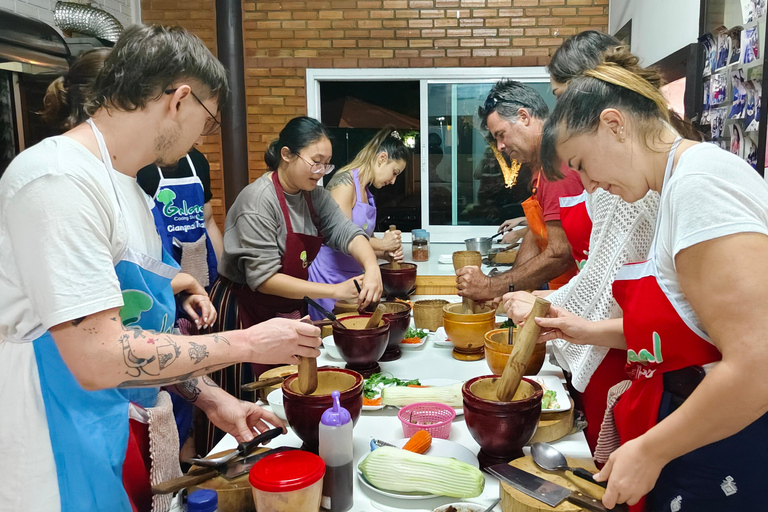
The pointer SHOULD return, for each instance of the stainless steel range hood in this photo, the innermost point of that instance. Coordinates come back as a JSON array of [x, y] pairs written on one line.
[[31, 46]]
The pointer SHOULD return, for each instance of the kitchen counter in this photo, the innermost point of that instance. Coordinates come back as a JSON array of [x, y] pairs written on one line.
[[428, 361]]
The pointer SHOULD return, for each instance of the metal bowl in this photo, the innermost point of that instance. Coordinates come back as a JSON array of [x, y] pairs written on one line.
[[481, 244]]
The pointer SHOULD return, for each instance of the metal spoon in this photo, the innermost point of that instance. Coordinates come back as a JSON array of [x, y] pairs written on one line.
[[548, 457], [493, 505]]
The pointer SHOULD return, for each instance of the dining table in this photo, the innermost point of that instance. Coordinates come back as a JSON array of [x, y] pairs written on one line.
[[430, 360]]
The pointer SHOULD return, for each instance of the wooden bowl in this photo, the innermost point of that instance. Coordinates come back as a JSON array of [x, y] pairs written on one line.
[[428, 314], [467, 331], [361, 348], [400, 282], [399, 316], [497, 352], [304, 411], [343, 306], [466, 258], [500, 428]]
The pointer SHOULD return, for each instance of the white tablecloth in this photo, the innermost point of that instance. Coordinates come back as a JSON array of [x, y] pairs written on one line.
[[425, 362]]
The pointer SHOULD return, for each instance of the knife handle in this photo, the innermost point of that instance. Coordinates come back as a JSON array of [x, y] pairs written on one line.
[[195, 476], [594, 504], [246, 448], [589, 477]]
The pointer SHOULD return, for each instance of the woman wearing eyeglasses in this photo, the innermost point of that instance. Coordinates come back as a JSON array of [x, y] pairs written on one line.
[[275, 229], [378, 164]]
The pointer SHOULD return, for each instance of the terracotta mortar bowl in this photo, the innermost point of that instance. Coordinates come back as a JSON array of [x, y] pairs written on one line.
[[467, 331], [304, 411], [497, 352], [361, 348], [400, 282], [399, 316], [500, 428]]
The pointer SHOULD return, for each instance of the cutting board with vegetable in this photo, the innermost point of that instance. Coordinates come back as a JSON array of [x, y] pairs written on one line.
[[513, 500]]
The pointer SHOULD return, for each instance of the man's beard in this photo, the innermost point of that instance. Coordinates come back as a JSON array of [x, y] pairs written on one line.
[[164, 144]]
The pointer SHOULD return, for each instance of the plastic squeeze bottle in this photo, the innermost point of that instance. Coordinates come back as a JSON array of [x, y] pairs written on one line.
[[335, 448]]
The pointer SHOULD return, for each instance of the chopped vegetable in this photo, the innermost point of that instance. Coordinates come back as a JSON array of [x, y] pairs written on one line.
[[549, 400], [392, 469], [378, 381], [415, 333], [372, 402], [411, 341], [399, 396], [419, 442], [507, 324]]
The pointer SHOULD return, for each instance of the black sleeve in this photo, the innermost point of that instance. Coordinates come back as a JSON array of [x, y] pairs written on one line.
[[149, 179], [203, 172]]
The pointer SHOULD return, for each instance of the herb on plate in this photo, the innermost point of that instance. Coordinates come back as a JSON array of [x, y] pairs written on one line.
[[549, 400], [414, 335], [378, 381]]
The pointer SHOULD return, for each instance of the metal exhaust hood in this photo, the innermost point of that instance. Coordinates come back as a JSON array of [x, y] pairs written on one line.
[[31, 46]]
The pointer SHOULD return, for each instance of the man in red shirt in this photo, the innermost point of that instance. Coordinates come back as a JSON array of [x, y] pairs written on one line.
[[514, 115]]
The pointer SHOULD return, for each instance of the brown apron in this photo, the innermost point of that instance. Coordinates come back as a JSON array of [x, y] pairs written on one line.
[[534, 214], [300, 249]]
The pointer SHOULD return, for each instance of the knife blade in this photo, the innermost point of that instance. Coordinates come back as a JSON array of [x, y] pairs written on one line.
[[545, 491], [201, 474]]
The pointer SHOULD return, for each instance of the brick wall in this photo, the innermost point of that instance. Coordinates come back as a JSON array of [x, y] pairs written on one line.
[[284, 38]]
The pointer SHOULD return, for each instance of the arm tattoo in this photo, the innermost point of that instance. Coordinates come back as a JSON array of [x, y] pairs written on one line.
[[197, 352], [218, 337], [340, 178], [209, 381], [188, 389], [154, 383]]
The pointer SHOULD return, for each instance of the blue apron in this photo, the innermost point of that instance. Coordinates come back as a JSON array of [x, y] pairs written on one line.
[[89, 429], [181, 203]]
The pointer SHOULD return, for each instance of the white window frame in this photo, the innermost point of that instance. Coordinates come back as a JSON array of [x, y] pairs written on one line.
[[425, 77]]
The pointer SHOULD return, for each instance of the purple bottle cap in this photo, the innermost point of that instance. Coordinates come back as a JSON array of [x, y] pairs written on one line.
[[335, 416]]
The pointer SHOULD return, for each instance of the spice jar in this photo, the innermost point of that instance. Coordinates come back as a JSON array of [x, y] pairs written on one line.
[[420, 245], [288, 482]]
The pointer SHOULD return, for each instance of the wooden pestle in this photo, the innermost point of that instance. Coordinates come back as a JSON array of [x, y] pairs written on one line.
[[521, 353], [395, 264], [307, 371], [464, 259], [375, 318]]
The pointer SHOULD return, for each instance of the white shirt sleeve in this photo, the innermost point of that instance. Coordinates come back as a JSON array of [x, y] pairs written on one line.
[[61, 232]]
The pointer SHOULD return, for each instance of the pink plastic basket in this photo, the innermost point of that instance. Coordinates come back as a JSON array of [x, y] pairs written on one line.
[[433, 417]]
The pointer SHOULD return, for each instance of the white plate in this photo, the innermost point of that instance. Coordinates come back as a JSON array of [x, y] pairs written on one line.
[[553, 382], [441, 382], [445, 259], [439, 338], [439, 448], [331, 349]]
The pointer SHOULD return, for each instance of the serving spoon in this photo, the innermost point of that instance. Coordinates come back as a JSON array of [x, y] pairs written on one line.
[[550, 458]]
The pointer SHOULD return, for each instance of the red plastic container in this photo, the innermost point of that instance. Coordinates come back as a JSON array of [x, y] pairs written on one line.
[[288, 481]]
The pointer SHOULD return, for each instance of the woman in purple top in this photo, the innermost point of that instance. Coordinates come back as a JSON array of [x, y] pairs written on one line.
[[377, 164]]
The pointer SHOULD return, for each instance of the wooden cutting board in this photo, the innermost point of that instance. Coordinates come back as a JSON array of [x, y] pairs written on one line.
[[515, 501], [234, 495], [553, 426]]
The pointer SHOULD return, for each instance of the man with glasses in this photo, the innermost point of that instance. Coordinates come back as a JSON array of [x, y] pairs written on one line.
[[86, 306], [514, 116]]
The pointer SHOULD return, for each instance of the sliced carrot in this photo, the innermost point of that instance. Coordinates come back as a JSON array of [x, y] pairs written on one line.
[[372, 401], [415, 386], [415, 339]]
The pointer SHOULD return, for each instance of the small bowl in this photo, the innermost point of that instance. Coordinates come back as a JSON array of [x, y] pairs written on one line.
[[275, 399], [481, 244], [331, 348]]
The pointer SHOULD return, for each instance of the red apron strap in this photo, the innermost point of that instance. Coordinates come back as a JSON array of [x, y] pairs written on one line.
[[283, 204], [312, 213]]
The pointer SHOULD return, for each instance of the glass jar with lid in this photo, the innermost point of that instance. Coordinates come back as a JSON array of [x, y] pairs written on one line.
[[420, 245]]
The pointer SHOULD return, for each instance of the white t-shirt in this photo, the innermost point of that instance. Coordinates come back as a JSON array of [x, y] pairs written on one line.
[[61, 234], [711, 193]]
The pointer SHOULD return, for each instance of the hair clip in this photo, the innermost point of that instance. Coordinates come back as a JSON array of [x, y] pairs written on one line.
[[396, 135]]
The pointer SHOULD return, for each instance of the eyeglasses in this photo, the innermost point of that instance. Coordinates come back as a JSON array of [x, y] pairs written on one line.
[[317, 168], [211, 124]]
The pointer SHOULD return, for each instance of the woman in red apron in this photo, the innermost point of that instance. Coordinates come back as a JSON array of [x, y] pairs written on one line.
[[273, 232], [577, 224], [691, 439]]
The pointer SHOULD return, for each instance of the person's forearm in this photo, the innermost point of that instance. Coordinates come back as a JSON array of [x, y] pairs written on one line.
[[528, 249], [200, 391], [360, 249], [102, 353], [214, 234], [291, 287], [184, 282], [609, 333], [740, 396], [377, 244]]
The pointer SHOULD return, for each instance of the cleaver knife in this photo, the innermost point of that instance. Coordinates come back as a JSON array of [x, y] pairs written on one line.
[[545, 491]]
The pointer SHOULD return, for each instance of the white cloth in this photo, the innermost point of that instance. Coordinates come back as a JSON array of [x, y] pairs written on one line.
[[711, 193], [60, 233], [621, 233]]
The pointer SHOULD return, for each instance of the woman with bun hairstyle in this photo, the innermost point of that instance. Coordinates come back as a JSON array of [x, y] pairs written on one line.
[[275, 229], [378, 164], [689, 427]]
